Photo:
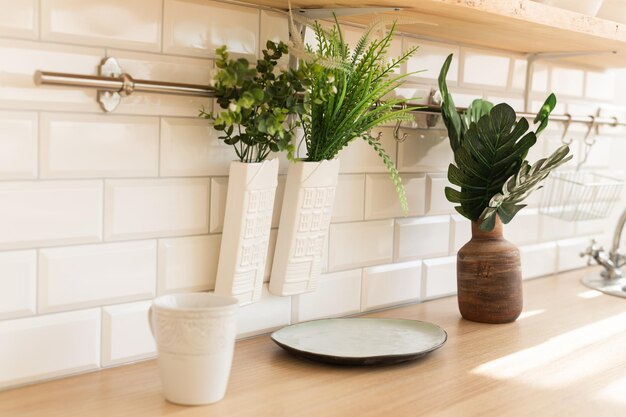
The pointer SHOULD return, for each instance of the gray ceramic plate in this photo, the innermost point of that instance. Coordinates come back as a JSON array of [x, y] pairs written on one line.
[[361, 341]]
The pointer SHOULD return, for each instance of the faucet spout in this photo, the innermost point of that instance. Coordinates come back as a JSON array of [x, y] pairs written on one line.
[[612, 261], [618, 259]]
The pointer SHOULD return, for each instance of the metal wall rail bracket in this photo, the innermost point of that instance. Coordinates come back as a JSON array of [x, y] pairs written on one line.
[[531, 59], [342, 12], [113, 84], [109, 100]]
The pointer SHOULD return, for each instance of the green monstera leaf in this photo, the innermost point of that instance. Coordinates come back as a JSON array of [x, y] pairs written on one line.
[[492, 150], [490, 147]]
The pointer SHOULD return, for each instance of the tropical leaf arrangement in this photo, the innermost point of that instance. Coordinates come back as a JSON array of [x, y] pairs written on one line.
[[257, 103], [344, 99], [490, 148]]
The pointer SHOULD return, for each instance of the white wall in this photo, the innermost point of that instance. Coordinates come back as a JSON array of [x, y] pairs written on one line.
[[101, 212]]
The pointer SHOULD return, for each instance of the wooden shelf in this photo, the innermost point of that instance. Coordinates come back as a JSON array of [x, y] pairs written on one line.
[[512, 25]]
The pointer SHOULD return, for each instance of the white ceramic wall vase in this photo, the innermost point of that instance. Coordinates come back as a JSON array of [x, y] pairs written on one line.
[[303, 230], [246, 232]]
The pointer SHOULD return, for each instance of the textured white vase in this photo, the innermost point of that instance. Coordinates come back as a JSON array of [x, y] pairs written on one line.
[[246, 232], [304, 222], [195, 336]]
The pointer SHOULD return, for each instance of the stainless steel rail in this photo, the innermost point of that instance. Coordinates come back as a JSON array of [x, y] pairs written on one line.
[[122, 84], [126, 85]]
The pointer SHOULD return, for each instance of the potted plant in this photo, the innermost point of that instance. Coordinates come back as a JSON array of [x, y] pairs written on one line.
[[490, 168], [342, 102], [256, 104]]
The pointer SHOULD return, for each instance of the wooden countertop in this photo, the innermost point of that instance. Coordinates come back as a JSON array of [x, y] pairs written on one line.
[[566, 356]]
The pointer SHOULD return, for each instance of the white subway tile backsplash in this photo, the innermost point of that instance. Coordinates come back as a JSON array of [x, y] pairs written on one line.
[[439, 279], [146, 66], [524, 228], [595, 227], [552, 228], [567, 81], [337, 294], [413, 93], [154, 208], [600, 85], [600, 154], [464, 99], [387, 285], [87, 146], [475, 64], [219, 191], [438, 203], [349, 198], [198, 27], [275, 28], [460, 232], [422, 237], [541, 77], [359, 157], [34, 214], [425, 150], [19, 19], [430, 57], [569, 251], [381, 198], [126, 333], [360, 244], [518, 81], [96, 274], [20, 60], [516, 102], [18, 284], [190, 148], [265, 315], [49, 346], [538, 260], [18, 145], [188, 263], [133, 25]]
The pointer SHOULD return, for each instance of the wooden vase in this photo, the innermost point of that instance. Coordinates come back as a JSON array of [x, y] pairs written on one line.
[[489, 277]]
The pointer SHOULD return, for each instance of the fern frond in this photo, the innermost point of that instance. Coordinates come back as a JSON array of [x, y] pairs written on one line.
[[393, 172]]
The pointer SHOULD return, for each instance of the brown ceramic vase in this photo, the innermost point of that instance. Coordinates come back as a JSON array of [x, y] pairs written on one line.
[[489, 277]]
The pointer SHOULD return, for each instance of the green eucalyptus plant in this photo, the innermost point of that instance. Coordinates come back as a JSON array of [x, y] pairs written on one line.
[[256, 103], [490, 148], [344, 99]]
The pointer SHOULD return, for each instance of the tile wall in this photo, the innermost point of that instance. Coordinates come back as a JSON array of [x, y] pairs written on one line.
[[101, 212]]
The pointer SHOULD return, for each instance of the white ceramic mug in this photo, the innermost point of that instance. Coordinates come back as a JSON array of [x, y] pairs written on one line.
[[195, 336]]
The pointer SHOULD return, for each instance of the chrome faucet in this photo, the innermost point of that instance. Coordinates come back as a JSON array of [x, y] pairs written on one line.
[[612, 261]]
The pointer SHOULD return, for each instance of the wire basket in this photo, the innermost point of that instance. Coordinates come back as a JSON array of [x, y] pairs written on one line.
[[580, 195]]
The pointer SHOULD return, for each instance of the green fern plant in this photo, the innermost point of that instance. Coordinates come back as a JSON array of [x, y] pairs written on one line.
[[490, 148], [344, 99]]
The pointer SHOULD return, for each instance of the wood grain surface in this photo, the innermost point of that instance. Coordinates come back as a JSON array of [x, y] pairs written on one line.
[[521, 26], [489, 277], [564, 357]]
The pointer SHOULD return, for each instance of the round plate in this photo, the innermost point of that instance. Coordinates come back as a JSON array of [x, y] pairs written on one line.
[[361, 341]]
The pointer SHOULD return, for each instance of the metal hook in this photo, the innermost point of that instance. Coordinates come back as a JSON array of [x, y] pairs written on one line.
[[396, 130], [588, 140], [564, 140]]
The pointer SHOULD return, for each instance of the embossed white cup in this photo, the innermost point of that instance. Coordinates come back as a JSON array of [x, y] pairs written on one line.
[[195, 336]]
